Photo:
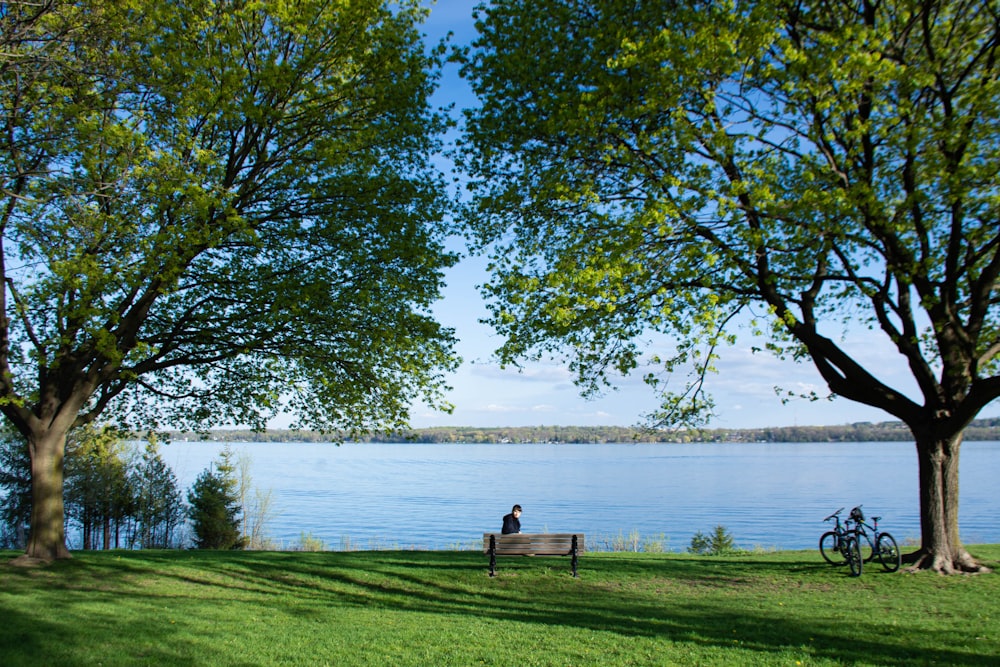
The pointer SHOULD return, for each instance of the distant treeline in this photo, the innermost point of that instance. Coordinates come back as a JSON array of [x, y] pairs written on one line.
[[982, 429]]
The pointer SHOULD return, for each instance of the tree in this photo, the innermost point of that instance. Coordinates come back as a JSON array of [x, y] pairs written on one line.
[[255, 506], [827, 166], [214, 506], [15, 483], [159, 508], [213, 211], [113, 495], [719, 543], [99, 494]]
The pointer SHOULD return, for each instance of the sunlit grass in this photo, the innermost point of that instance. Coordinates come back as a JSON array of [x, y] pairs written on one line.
[[441, 608]]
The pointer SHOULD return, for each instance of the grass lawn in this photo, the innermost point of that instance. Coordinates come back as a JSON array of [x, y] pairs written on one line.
[[441, 608]]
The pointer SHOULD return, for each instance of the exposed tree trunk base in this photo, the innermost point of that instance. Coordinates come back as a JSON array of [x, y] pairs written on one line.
[[58, 552], [24, 560], [961, 562]]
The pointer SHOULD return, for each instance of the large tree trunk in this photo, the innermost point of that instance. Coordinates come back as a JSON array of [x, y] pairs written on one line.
[[941, 548], [47, 539]]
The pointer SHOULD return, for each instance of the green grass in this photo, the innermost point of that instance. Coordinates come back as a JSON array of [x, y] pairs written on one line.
[[441, 608]]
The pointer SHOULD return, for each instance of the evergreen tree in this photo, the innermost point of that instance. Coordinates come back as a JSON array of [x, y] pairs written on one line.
[[15, 490], [215, 506], [114, 496], [159, 505], [99, 494]]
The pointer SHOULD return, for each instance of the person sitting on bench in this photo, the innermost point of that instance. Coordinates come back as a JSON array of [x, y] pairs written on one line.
[[512, 521]]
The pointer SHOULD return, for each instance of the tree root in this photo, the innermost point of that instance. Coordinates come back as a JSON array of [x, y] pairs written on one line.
[[24, 560], [28, 559], [957, 563]]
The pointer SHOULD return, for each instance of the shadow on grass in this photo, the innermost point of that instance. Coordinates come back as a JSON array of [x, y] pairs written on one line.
[[634, 598], [23, 635], [707, 602]]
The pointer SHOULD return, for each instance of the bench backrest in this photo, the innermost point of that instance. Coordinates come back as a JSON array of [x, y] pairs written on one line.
[[539, 544]]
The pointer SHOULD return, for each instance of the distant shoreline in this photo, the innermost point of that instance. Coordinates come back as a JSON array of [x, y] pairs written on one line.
[[979, 430]]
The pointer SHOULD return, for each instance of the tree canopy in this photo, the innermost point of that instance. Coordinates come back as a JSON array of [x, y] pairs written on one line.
[[212, 211], [823, 164], [224, 203]]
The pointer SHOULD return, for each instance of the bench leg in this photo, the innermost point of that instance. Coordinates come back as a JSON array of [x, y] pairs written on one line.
[[493, 556], [574, 556]]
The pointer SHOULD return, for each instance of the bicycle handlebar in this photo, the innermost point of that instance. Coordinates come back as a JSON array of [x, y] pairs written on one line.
[[834, 514]]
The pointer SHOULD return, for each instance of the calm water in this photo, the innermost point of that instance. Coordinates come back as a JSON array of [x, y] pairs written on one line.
[[446, 496]]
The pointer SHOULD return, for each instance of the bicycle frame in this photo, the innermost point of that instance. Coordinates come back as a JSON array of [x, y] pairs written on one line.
[[878, 543]]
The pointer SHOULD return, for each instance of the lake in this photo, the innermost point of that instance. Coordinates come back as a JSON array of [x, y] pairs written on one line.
[[444, 496]]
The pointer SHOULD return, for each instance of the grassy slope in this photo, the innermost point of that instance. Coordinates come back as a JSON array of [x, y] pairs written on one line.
[[441, 608]]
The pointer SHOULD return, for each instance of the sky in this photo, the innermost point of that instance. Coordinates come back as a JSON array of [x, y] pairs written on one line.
[[485, 395]]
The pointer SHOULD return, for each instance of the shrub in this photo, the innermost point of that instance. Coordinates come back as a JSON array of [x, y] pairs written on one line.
[[718, 543], [626, 543], [309, 542], [655, 545]]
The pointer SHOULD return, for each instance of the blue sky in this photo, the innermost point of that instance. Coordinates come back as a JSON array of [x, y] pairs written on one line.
[[543, 393]]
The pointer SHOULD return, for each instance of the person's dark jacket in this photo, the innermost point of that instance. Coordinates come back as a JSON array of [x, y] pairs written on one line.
[[511, 524]]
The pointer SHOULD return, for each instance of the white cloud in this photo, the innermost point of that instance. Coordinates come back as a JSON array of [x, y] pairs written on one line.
[[493, 407], [530, 372], [496, 408]]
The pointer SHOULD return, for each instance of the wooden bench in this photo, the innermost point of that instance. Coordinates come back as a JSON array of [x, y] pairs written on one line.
[[532, 544]]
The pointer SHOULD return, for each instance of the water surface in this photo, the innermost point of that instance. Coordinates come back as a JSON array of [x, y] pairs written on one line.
[[439, 496]]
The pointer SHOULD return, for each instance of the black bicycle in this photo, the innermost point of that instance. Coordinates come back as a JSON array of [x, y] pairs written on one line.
[[831, 544], [852, 552], [873, 542], [841, 545]]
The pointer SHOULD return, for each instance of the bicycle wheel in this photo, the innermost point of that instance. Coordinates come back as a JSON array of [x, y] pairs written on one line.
[[888, 552], [865, 546], [853, 549], [830, 547]]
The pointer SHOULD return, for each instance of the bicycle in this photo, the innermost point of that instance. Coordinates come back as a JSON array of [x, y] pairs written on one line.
[[832, 543], [852, 552], [841, 545], [875, 543]]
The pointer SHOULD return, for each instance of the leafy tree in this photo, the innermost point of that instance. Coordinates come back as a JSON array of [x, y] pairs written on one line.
[[214, 506], [212, 211], [665, 167]]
